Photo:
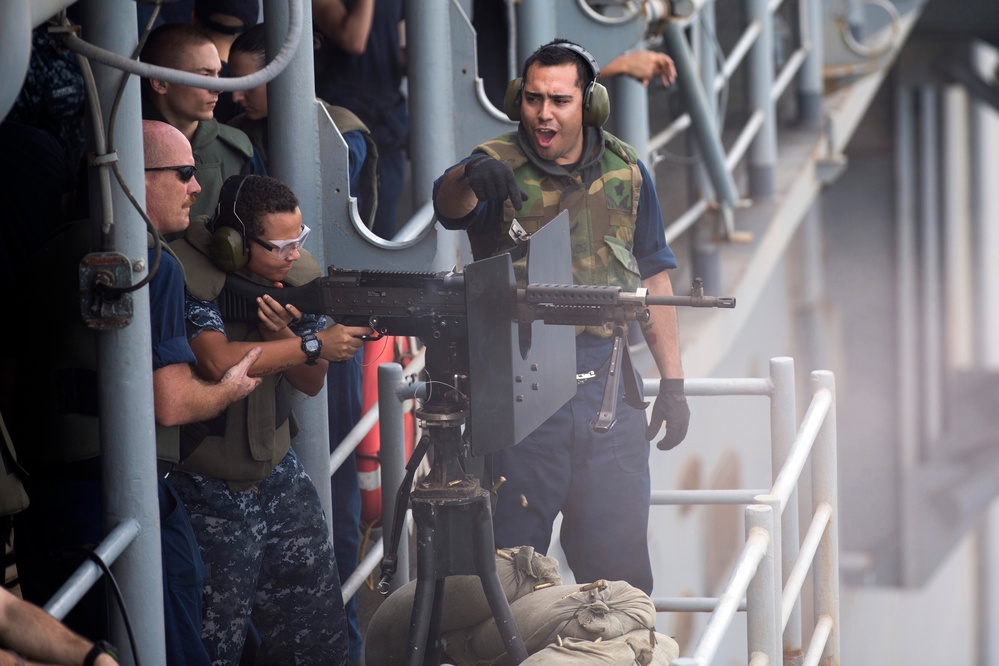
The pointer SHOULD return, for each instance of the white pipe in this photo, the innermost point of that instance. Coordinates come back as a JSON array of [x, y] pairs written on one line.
[[145, 70], [15, 35]]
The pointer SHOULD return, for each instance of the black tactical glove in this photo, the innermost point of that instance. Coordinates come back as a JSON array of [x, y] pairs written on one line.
[[491, 180], [671, 407]]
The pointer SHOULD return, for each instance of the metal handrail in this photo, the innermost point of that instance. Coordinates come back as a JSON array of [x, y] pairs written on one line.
[[770, 606]]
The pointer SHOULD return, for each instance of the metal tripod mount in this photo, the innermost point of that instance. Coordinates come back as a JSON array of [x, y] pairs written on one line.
[[454, 532]]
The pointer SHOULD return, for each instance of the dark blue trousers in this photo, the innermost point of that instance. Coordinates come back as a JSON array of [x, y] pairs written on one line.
[[343, 382], [598, 481]]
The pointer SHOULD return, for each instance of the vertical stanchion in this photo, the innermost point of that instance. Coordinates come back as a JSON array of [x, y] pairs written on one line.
[[824, 489], [761, 597], [810, 81], [124, 360], [392, 456], [763, 153], [783, 429]]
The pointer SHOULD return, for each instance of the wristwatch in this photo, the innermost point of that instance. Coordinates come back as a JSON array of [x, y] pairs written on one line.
[[100, 647], [311, 345]]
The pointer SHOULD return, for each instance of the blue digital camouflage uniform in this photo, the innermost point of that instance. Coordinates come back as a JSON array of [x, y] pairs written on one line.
[[267, 553]]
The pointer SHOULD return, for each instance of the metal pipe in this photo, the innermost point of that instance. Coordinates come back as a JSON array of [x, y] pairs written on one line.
[[630, 104], [689, 604], [929, 265], [15, 35], [293, 155], [708, 140], [392, 454], [799, 571], [292, 43], [820, 637], [955, 176], [672, 131], [704, 246], [787, 74], [763, 154], [811, 81], [811, 425], [430, 62], [684, 222], [783, 413], [746, 565], [89, 573], [767, 583], [725, 386], [536, 25], [720, 496], [907, 319], [124, 360], [420, 223], [353, 439], [363, 570], [368, 420], [750, 131], [825, 490], [735, 57]]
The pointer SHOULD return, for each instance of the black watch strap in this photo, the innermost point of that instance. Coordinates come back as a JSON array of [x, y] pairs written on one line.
[[312, 346], [100, 647]]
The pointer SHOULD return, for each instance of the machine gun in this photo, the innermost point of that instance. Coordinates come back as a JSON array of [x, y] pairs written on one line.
[[436, 308], [506, 371]]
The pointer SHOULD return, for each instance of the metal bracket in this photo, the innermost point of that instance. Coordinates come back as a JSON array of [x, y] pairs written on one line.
[[102, 305]]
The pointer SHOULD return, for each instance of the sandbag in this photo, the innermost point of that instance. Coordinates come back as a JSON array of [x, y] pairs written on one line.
[[588, 612], [465, 606], [635, 647]]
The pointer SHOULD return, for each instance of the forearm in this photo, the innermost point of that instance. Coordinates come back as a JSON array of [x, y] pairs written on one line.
[[216, 354], [40, 638], [308, 379], [180, 396], [455, 199], [662, 331], [348, 29]]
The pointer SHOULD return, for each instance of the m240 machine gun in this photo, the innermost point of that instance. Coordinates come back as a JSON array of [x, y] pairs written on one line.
[[506, 357]]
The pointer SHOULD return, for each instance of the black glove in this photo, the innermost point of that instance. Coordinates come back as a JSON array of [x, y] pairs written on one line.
[[491, 180], [671, 407]]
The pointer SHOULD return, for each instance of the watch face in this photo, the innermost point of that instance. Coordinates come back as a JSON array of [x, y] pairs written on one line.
[[312, 346]]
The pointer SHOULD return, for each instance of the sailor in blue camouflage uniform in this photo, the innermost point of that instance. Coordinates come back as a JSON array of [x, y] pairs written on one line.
[[256, 514]]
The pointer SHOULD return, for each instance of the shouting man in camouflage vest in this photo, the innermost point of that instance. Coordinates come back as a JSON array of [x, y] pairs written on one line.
[[559, 158]]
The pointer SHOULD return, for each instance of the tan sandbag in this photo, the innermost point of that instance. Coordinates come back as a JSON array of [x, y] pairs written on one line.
[[633, 648], [570, 611], [465, 605]]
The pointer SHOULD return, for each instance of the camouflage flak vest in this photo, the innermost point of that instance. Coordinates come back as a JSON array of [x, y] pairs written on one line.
[[602, 214]]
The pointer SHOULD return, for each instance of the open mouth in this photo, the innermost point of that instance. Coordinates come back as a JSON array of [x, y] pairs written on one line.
[[545, 136]]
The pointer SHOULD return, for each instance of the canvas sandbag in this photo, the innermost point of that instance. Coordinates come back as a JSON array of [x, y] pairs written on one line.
[[465, 606], [612, 609], [640, 647]]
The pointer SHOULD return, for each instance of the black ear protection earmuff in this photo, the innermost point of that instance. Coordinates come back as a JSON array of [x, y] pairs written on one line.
[[229, 250], [596, 103]]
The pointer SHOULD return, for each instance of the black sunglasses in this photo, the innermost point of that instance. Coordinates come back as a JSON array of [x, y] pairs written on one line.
[[186, 171]]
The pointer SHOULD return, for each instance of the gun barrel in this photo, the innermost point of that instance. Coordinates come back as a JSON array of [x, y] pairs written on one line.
[[693, 301]]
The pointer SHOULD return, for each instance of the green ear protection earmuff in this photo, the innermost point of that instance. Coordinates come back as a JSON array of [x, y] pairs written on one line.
[[596, 103], [229, 250]]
